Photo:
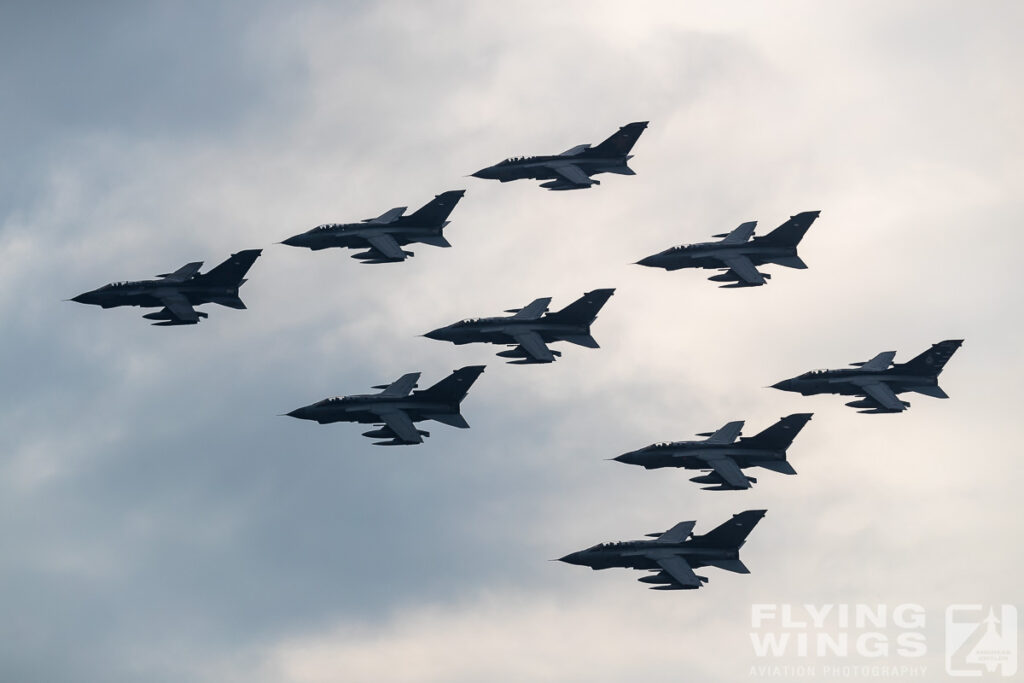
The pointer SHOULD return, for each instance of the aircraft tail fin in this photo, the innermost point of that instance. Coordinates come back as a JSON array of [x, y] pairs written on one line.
[[453, 388], [584, 310], [619, 144], [437, 210], [792, 231], [780, 435], [932, 361], [731, 534], [232, 272]]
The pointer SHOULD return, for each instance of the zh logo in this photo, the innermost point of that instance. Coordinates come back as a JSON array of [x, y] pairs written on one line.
[[980, 643]]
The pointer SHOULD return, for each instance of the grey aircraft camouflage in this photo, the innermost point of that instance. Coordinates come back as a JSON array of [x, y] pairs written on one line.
[[531, 328], [179, 292], [722, 456], [573, 168], [396, 408], [737, 255], [674, 554], [878, 381], [384, 236]]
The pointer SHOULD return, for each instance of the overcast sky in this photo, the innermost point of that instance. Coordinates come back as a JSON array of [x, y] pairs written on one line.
[[160, 522]]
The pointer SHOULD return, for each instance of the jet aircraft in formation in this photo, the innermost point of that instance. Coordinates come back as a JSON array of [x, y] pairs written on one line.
[[384, 236], [738, 255], [179, 292], [675, 553], [722, 456], [878, 381], [573, 168], [531, 328], [396, 408]]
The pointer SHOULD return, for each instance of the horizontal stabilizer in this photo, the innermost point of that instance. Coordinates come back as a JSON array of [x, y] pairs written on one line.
[[450, 419], [229, 301], [780, 466], [435, 241], [933, 391], [582, 340], [728, 565], [619, 170], [790, 262]]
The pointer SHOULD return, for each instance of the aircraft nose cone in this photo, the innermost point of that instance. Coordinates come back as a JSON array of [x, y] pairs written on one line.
[[438, 334], [648, 261], [625, 457], [784, 385], [301, 413], [81, 298], [293, 241], [571, 558], [484, 173]]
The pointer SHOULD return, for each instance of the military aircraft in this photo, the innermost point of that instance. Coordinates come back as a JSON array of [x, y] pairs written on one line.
[[878, 381], [675, 553], [179, 292], [531, 328], [571, 170], [386, 234], [722, 456], [396, 407], [737, 255]]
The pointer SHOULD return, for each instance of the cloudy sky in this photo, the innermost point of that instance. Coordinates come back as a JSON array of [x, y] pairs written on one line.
[[161, 523]]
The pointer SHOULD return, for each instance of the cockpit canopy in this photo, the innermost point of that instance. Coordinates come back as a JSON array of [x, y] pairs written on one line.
[[467, 321], [514, 160], [813, 373]]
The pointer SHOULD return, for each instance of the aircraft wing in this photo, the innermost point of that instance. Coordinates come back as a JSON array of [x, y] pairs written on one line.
[[678, 569], [578, 149], [730, 471], [880, 362], [726, 434], [741, 234], [534, 346], [574, 174], [745, 269], [677, 534], [399, 423], [386, 245], [402, 386], [389, 216], [183, 273], [179, 306], [533, 310], [881, 392]]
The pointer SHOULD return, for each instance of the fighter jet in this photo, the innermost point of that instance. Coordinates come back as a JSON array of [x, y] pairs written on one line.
[[722, 456], [571, 170], [530, 329], [674, 554], [878, 381], [386, 234], [737, 255], [179, 292], [394, 409]]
